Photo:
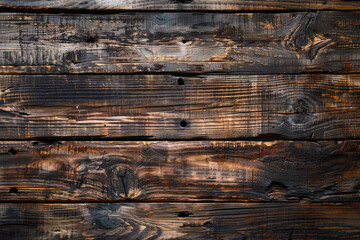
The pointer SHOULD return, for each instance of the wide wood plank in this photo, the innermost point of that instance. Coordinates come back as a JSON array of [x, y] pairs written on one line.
[[180, 42], [181, 171], [183, 5], [169, 107], [180, 221]]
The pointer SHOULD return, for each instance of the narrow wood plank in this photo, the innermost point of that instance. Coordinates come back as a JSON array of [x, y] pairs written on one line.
[[180, 221], [183, 5], [180, 42], [169, 107], [181, 171]]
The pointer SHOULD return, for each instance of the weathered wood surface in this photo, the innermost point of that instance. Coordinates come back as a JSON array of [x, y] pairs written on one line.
[[181, 171], [180, 42], [168, 107], [182, 5], [180, 221]]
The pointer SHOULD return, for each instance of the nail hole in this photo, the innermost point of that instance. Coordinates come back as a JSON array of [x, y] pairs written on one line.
[[183, 1], [324, 3], [12, 151], [13, 190], [90, 39], [183, 41], [86, 2], [184, 214], [183, 123], [180, 81]]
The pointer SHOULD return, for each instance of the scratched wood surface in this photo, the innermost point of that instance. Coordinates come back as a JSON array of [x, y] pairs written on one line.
[[179, 119], [192, 42], [180, 5], [170, 107], [181, 171], [180, 221]]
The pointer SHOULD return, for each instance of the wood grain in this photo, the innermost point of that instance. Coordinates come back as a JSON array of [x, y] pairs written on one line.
[[168, 107], [191, 42], [182, 5], [180, 221], [180, 171]]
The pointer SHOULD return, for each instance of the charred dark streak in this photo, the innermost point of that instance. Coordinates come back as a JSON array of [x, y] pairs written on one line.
[[79, 182], [182, 1], [122, 175], [15, 112]]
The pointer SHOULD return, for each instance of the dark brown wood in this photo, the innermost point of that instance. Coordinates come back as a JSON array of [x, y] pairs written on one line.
[[180, 221], [169, 107], [181, 171], [190, 42], [183, 5]]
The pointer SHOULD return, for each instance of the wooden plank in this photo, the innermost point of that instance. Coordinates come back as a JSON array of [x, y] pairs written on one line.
[[189, 42], [183, 5], [180, 171], [168, 107], [180, 221]]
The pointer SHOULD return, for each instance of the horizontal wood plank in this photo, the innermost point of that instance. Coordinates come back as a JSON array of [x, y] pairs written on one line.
[[169, 107], [180, 171], [192, 42], [180, 221], [182, 5]]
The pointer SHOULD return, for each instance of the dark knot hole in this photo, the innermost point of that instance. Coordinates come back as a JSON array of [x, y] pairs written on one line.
[[180, 81], [184, 214], [183, 123], [13, 151], [13, 190]]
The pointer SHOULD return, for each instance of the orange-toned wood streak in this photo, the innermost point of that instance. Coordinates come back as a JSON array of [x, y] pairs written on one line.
[[180, 221], [169, 107], [180, 171], [150, 42], [180, 5]]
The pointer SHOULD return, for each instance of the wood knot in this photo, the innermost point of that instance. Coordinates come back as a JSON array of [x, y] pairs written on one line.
[[302, 36], [106, 222], [122, 182], [300, 106], [298, 111], [304, 40], [276, 190], [301, 41]]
